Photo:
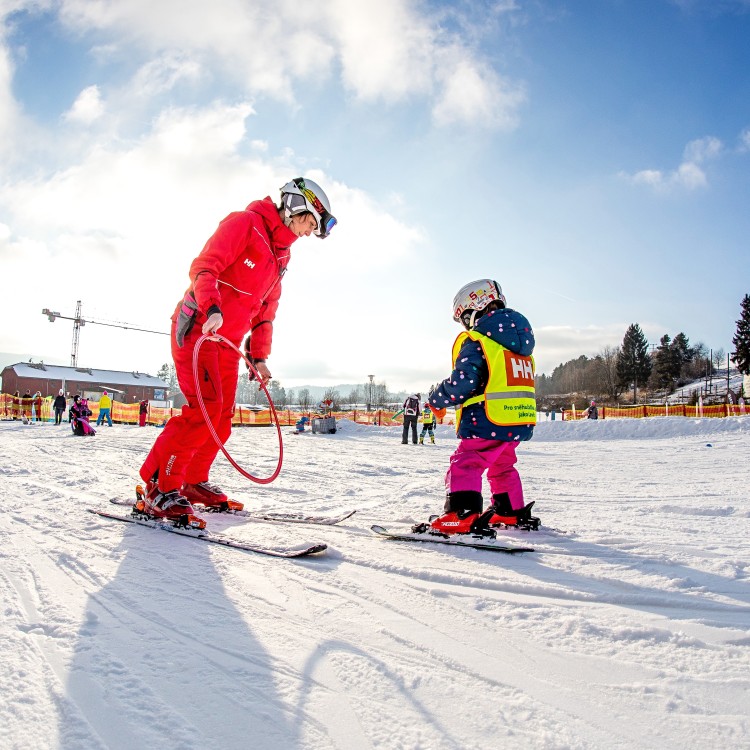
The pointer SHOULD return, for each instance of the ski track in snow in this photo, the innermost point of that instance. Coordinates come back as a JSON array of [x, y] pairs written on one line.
[[629, 627]]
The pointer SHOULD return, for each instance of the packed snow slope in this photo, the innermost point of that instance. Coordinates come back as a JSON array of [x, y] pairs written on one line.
[[629, 627]]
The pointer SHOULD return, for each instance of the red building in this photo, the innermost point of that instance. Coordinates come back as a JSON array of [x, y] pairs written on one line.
[[126, 387]]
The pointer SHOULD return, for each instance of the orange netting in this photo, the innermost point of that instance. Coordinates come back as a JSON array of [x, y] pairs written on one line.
[[663, 410], [11, 407]]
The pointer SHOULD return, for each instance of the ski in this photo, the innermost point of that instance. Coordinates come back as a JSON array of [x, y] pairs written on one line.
[[207, 536], [458, 540], [257, 515]]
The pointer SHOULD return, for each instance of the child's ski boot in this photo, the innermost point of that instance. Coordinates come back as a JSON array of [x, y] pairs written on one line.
[[502, 514], [462, 516], [210, 496]]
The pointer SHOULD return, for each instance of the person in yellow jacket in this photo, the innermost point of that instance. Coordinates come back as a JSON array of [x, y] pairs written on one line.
[[428, 424], [492, 390], [105, 407]]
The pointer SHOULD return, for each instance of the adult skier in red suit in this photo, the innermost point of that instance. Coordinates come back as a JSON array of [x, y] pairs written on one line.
[[234, 290]]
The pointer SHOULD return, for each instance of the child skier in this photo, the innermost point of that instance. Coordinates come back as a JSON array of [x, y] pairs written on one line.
[[428, 424], [79, 417], [492, 390]]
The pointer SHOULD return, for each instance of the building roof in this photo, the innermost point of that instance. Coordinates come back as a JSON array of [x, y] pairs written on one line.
[[85, 375]]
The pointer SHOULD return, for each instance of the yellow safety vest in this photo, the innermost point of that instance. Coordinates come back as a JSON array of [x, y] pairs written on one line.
[[427, 416], [509, 398]]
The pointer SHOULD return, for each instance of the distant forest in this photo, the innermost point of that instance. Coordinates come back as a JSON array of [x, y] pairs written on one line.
[[616, 374], [630, 366]]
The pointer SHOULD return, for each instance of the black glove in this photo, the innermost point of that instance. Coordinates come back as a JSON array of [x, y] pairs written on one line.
[[186, 318], [253, 361]]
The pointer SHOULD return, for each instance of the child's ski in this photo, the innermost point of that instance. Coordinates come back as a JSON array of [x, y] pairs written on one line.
[[458, 540]]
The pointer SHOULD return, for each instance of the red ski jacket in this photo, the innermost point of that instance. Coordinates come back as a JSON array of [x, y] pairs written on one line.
[[239, 271]]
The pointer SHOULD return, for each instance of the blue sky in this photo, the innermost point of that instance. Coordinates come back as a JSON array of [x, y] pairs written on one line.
[[593, 157]]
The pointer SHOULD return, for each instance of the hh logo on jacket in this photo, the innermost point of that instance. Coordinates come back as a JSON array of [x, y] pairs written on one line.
[[520, 369]]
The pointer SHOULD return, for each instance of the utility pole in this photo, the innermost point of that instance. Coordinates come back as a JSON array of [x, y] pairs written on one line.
[[79, 322], [727, 373], [369, 392]]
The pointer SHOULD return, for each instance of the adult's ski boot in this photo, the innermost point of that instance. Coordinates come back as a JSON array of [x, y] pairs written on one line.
[[210, 496], [151, 503]]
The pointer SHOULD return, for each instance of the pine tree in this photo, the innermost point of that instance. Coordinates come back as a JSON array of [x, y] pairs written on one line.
[[634, 365], [664, 364], [741, 340], [683, 354]]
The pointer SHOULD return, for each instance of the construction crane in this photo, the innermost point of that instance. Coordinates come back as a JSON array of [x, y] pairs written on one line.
[[79, 322]]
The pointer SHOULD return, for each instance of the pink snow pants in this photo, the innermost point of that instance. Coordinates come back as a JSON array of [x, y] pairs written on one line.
[[473, 457]]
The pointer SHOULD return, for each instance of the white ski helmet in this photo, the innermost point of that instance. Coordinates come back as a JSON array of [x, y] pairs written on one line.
[[473, 297], [302, 195]]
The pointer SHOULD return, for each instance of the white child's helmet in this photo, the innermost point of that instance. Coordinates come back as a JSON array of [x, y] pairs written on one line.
[[302, 195], [473, 297]]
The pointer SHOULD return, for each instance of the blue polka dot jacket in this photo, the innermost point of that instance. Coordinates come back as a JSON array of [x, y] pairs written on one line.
[[469, 378]]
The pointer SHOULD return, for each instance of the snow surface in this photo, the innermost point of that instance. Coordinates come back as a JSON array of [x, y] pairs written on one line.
[[629, 627]]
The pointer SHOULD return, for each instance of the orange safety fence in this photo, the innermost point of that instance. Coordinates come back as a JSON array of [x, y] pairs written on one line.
[[15, 408], [663, 410]]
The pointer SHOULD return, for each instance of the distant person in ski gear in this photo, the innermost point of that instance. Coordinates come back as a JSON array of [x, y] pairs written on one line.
[[592, 412], [26, 403], [142, 413], [411, 415], [79, 417], [16, 405], [428, 424], [105, 407], [492, 390], [59, 405], [235, 286], [38, 401], [325, 406]]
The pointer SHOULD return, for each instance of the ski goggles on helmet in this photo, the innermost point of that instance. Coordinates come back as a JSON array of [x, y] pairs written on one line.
[[326, 224], [326, 220]]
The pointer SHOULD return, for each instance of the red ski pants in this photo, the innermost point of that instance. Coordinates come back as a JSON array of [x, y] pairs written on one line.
[[185, 449], [473, 457]]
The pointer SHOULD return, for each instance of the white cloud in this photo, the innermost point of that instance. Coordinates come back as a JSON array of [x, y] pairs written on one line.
[[653, 177], [9, 112], [163, 73], [393, 54], [388, 54], [554, 344], [474, 93], [702, 149], [688, 175], [128, 218], [745, 140], [87, 107]]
